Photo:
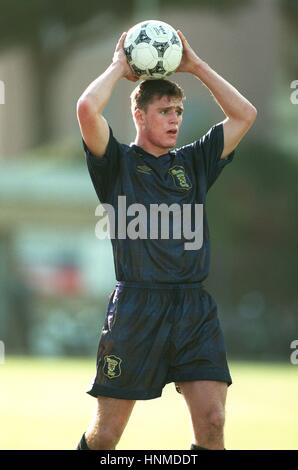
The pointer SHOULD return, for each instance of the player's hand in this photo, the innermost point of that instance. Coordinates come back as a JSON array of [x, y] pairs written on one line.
[[120, 58], [189, 58]]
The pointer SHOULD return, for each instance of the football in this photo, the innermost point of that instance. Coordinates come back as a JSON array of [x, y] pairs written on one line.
[[153, 49]]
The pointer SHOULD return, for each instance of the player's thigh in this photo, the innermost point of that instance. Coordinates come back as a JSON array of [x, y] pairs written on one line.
[[205, 399], [113, 413]]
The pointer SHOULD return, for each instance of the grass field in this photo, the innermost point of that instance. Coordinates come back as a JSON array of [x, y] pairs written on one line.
[[43, 405]]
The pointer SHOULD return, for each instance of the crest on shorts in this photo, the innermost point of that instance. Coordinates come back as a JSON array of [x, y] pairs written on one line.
[[180, 178], [111, 367]]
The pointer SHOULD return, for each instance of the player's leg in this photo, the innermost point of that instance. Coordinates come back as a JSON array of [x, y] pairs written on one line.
[[199, 367], [108, 424], [206, 403], [132, 359]]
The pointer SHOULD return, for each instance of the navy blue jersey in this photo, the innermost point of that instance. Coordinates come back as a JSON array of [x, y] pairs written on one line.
[[182, 176]]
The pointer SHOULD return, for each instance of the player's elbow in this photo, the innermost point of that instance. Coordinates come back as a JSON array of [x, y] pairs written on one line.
[[84, 109], [250, 115]]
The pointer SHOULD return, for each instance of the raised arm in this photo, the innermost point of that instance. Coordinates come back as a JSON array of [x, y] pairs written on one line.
[[90, 106], [240, 113]]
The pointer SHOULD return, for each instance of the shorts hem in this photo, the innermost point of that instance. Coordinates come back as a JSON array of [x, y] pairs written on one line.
[[101, 390], [208, 374]]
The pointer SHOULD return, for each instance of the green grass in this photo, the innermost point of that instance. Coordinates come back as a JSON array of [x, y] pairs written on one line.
[[43, 405]]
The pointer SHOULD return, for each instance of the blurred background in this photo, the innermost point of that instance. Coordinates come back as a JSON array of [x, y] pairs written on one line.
[[55, 275]]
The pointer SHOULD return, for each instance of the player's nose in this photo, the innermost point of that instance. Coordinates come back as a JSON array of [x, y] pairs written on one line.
[[173, 118]]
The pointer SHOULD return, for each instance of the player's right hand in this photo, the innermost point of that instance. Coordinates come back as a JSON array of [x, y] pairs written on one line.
[[120, 58], [189, 58]]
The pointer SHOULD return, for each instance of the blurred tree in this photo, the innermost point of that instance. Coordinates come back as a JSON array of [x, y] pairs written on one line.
[[30, 20], [289, 10], [218, 5], [51, 28]]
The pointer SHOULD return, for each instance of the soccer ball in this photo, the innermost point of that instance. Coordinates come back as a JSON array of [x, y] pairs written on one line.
[[153, 49]]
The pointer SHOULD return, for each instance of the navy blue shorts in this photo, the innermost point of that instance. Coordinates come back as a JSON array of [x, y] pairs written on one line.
[[155, 334]]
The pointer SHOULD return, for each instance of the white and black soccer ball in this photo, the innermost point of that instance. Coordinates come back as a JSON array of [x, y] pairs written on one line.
[[153, 49]]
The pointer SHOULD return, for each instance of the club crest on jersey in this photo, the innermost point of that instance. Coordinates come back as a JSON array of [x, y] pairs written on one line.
[[180, 178], [111, 367]]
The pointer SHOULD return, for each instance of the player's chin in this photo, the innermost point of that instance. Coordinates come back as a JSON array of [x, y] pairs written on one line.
[[172, 139]]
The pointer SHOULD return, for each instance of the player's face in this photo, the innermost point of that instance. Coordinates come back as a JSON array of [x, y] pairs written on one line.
[[161, 122]]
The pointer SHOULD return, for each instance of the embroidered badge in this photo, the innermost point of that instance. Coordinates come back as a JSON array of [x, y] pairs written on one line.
[[111, 367], [180, 178]]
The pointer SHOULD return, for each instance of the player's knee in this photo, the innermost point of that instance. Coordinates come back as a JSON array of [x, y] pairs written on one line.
[[215, 419], [211, 422]]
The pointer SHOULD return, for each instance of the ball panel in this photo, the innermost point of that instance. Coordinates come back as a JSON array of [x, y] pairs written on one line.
[[131, 36], [161, 47], [142, 37], [157, 31], [172, 58], [175, 40], [144, 56], [137, 71], [158, 70]]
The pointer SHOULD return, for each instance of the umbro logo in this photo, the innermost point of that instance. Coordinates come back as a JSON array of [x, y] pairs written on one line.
[[144, 169]]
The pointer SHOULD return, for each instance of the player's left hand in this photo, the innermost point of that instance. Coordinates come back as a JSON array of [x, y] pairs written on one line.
[[189, 58]]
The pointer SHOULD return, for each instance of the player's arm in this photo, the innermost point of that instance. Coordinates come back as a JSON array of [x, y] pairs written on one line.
[[90, 106], [240, 113]]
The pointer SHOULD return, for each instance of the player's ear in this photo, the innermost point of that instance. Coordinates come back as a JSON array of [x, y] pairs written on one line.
[[139, 116]]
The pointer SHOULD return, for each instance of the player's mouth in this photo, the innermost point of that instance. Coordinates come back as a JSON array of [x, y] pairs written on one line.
[[172, 132]]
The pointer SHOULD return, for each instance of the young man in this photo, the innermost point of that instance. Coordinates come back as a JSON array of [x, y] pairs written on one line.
[[161, 325]]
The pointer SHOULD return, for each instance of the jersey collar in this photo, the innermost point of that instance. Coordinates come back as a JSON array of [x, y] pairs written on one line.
[[143, 152]]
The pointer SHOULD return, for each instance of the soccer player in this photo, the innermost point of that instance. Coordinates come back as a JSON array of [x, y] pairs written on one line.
[[161, 325]]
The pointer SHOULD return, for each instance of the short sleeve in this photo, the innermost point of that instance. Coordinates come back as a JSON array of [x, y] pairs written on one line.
[[104, 170], [209, 149]]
